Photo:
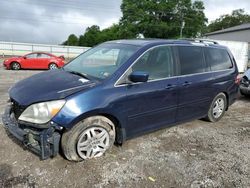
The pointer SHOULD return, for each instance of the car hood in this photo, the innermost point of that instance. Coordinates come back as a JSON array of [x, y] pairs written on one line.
[[49, 85], [13, 58]]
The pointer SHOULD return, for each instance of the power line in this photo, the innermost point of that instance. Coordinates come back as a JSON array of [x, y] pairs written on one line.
[[73, 3], [46, 16], [68, 2], [35, 20], [59, 22], [69, 6], [29, 17]]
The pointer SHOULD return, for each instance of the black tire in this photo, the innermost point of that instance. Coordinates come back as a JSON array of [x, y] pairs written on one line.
[[71, 138], [15, 66], [211, 115], [52, 66]]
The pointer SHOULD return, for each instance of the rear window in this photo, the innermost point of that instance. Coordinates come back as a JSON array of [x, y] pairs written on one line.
[[218, 59], [191, 60]]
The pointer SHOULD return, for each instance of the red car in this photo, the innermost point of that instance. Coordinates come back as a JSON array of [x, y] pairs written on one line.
[[35, 60]]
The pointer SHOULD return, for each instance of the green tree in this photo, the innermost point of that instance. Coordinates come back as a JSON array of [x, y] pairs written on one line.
[[163, 19], [237, 17], [90, 37], [93, 35], [111, 33], [72, 40], [152, 19]]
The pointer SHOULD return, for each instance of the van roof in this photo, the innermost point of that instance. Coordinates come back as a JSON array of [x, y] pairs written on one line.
[[147, 41]]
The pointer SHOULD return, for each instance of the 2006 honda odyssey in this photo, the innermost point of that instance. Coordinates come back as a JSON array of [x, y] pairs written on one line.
[[119, 90]]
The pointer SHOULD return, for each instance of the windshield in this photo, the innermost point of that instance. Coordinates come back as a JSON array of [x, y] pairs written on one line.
[[101, 61]]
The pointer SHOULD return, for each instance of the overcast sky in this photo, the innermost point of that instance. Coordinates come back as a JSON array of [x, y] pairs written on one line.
[[51, 21]]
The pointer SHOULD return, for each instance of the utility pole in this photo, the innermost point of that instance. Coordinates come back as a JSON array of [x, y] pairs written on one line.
[[182, 25], [182, 11]]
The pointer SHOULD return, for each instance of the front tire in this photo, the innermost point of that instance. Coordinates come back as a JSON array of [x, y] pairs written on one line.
[[15, 66], [217, 108], [88, 139]]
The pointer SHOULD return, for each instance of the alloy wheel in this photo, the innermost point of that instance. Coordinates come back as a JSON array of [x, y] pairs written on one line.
[[16, 66], [93, 142], [52, 66], [218, 108]]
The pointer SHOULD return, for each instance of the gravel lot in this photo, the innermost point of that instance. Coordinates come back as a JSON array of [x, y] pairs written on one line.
[[194, 154]]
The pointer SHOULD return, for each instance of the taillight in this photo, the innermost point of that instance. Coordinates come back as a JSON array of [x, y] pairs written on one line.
[[237, 79]]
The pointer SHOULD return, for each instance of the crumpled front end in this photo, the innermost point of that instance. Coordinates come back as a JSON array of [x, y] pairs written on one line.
[[42, 141]]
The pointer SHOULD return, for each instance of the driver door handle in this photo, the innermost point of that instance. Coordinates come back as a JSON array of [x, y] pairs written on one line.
[[170, 86], [186, 83]]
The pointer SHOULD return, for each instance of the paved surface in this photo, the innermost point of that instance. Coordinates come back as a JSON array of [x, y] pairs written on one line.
[[194, 154]]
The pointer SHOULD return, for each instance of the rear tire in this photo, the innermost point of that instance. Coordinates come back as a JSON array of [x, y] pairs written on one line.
[[88, 139], [15, 66], [53, 66], [217, 108]]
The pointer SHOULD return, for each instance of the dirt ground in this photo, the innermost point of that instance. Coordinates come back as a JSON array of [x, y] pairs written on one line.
[[194, 154]]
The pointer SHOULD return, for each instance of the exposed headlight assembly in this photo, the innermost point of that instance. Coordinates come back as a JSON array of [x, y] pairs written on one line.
[[41, 113]]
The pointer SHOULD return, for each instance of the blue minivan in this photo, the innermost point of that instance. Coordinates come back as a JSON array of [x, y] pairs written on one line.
[[119, 90]]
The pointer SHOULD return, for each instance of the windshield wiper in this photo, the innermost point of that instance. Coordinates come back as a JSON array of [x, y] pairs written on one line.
[[80, 74]]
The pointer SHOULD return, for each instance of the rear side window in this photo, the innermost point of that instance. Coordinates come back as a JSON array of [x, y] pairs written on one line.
[[191, 60], [218, 59]]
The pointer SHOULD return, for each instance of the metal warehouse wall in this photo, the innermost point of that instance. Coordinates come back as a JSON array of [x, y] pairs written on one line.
[[13, 48], [239, 51], [242, 36]]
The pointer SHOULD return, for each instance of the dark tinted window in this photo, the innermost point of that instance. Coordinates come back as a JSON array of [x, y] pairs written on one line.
[[157, 62], [191, 60], [218, 59]]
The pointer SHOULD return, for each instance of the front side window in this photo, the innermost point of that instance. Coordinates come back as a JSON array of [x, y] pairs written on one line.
[[191, 60], [31, 56], [103, 60], [218, 59], [157, 62]]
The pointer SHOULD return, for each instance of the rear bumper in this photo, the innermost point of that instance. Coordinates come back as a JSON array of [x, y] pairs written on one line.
[[43, 142], [60, 64]]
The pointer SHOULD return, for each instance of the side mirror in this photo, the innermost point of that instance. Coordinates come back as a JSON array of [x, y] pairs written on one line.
[[138, 76], [24, 57]]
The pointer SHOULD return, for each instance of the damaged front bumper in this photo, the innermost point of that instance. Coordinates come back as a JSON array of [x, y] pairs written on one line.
[[42, 141], [245, 89]]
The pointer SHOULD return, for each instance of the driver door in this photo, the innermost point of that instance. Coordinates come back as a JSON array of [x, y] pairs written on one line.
[[30, 61], [152, 104]]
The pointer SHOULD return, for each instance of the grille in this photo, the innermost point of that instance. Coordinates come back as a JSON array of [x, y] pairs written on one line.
[[16, 108]]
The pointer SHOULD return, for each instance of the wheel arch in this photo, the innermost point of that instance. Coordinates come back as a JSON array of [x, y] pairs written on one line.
[[227, 97], [15, 61], [52, 62], [120, 131]]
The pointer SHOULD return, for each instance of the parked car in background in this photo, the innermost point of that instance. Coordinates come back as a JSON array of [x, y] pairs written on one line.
[[245, 83], [119, 90], [35, 60]]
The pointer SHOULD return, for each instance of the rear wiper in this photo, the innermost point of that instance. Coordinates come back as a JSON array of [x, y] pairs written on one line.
[[79, 74]]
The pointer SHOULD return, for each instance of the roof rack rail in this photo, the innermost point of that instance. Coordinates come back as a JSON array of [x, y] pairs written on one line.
[[206, 41]]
